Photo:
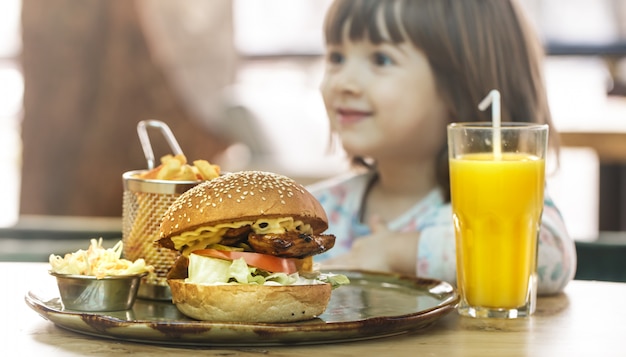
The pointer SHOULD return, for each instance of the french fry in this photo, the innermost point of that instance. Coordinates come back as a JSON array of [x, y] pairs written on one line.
[[169, 157], [185, 173], [150, 175], [166, 158], [176, 168], [206, 170], [169, 169]]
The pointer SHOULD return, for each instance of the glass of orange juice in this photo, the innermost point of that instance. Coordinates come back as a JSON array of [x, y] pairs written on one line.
[[497, 178]]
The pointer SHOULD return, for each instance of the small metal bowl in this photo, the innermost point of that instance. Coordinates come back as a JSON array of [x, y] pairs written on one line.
[[87, 293]]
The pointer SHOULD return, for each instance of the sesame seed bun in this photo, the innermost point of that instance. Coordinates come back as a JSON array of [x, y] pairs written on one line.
[[250, 303], [242, 196]]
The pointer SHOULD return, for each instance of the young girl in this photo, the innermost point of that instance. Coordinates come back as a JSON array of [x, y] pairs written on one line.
[[397, 72]]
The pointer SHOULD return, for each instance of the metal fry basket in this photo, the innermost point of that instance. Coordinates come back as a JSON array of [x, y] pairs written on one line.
[[144, 203]]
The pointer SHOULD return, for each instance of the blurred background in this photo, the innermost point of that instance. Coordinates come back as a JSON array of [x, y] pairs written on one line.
[[237, 82]]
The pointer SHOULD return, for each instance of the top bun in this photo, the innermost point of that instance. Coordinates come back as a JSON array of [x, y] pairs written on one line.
[[239, 196]]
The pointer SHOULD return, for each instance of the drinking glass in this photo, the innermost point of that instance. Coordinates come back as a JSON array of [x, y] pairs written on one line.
[[497, 178]]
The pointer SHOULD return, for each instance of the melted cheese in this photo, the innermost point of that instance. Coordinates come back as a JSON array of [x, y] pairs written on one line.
[[204, 236]]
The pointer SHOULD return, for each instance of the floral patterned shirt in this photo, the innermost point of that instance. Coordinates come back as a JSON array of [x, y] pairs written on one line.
[[341, 198]]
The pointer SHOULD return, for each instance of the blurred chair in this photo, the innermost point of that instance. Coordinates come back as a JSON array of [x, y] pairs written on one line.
[[603, 259]]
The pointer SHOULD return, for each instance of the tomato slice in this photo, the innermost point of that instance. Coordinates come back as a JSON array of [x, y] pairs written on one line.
[[262, 261]]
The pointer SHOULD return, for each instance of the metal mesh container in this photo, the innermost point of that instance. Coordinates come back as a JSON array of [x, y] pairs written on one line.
[[144, 203]]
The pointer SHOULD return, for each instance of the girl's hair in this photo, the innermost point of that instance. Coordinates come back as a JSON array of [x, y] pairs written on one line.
[[472, 46]]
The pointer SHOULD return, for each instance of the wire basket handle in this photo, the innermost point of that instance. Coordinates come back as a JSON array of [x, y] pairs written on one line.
[[142, 131]]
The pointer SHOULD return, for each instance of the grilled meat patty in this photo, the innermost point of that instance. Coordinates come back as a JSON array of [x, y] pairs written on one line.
[[291, 244]]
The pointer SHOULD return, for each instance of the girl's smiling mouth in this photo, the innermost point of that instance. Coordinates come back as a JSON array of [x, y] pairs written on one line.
[[346, 116]]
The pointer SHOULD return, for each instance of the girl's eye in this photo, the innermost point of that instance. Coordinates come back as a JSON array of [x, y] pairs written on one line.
[[381, 59], [335, 57]]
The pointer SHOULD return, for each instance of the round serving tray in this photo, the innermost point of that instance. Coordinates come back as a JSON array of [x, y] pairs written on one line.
[[374, 305]]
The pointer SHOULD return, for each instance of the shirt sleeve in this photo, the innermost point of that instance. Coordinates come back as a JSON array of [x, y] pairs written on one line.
[[556, 261], [337, 197], [436, 253]]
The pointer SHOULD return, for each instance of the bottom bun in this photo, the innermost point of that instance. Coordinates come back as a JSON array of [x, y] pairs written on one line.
[[250, 303]]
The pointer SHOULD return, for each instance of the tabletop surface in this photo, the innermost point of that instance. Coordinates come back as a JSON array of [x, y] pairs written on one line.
[[587, 319]]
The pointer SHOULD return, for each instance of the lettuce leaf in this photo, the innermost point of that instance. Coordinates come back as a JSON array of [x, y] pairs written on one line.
[[207, 270], [335, 280], [212, 271]]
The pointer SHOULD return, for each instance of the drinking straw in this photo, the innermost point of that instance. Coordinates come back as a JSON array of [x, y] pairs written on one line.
[[493, 99]]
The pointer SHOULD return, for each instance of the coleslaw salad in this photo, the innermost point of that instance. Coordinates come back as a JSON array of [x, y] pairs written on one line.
[[98, 261]]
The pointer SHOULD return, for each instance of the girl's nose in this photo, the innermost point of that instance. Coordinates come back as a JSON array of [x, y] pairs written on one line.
[[347, 81]]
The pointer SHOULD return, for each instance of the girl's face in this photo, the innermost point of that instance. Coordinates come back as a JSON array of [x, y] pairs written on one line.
[[382, 101]]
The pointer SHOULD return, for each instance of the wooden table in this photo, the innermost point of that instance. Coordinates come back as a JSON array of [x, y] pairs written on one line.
[[610, 146], [588, 319]]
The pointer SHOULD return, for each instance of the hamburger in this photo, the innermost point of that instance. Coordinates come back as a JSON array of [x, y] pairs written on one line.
[[246, 241]]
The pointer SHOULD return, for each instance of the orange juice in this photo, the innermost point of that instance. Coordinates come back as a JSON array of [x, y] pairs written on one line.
[[497, 206]]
